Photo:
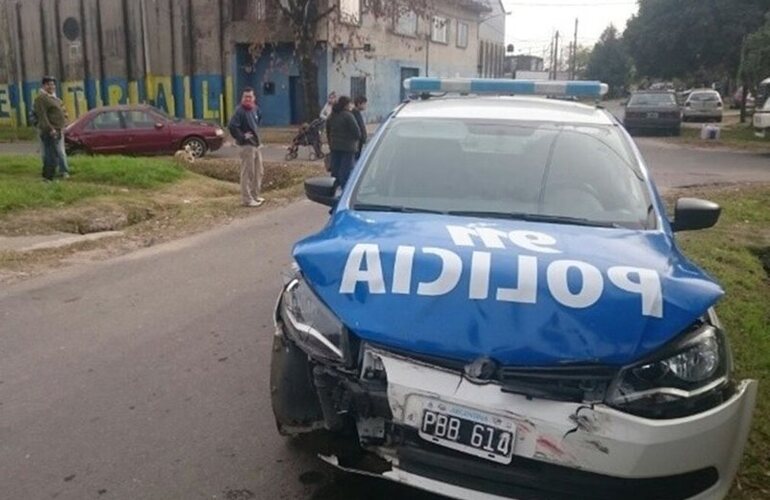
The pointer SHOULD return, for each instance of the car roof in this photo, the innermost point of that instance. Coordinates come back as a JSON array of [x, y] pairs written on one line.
[[125, 107], [653, 91], [513, 108]]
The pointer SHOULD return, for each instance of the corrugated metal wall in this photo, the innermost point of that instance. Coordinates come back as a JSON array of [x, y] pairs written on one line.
[[170, 53]]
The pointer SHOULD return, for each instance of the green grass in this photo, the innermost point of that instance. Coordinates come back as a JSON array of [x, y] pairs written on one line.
[[21, 185], [737, 253], [730, 135], [14, 134]]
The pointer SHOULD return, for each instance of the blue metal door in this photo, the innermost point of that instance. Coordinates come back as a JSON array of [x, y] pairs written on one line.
[[297, 100], [407, 73]]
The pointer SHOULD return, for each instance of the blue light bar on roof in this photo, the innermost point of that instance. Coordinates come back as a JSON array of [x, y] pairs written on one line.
[[505, 86]]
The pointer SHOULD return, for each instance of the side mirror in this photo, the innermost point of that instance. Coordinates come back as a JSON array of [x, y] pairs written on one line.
[[159, 125], [692, 213], [321, 190]]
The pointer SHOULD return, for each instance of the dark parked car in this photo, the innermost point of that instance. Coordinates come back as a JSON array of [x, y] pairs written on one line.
[[140, 130], [653, 110]]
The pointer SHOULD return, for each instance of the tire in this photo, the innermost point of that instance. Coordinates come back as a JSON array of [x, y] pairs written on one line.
[[291, 155], [197, 145], [292, 393]]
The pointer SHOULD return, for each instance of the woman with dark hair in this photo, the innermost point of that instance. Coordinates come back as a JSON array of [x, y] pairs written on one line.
[[343, 134]]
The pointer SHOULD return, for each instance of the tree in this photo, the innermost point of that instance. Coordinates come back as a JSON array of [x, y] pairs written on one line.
[[755, 62], [609, 61], [582, 57], [309, 20], [304, 18], [691, 39]]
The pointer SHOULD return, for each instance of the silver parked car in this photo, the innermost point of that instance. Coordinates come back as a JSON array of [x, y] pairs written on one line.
[[705, 104]]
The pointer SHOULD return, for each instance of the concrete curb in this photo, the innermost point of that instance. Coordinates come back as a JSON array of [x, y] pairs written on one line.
[[50, 241]]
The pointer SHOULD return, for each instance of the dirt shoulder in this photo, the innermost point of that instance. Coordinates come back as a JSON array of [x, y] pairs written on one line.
[[130, 219]]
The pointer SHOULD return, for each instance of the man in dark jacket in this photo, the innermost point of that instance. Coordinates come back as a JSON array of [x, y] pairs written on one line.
[[50, 123], [243, 127], [359, 106], [344, 136]]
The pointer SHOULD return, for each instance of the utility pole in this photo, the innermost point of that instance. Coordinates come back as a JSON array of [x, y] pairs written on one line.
[[574, 52], [556, 56], [550, 54]]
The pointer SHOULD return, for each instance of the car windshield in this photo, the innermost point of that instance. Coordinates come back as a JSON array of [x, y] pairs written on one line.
[[704, 96], [652, 100], [542, 172]]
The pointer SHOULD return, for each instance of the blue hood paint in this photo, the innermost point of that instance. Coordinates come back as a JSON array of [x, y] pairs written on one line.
[[612, 330]]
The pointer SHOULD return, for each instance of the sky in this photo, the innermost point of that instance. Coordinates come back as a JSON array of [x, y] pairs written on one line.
[[532, 23]]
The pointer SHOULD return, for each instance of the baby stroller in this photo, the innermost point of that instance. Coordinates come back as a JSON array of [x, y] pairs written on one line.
[[308, 135]]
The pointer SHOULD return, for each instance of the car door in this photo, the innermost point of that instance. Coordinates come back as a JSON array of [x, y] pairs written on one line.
[[105, 133], [147, 133]]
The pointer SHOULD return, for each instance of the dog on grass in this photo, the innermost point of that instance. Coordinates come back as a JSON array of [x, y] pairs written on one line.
[[184, 156]]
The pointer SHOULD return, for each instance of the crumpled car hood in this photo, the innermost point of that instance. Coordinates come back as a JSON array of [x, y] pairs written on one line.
[[522, 293]]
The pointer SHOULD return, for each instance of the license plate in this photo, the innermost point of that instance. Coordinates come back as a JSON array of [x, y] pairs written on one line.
[[469, 431], [652, 115]]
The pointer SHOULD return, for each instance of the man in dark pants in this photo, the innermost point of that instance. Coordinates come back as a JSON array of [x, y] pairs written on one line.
[[50, 122], [359, 106], [344, 136]]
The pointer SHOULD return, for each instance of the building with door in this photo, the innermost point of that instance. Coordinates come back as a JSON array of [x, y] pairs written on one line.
[[491, 56], [191, 58]]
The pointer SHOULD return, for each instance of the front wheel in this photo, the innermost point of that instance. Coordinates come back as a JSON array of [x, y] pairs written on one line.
[[292, 393], [197, 146]]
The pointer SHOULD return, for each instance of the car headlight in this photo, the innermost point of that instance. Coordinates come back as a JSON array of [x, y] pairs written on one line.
[[311, 324], [219, 132], [685, 378]]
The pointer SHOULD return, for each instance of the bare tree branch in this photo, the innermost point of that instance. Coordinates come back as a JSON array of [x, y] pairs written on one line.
[[325, 13]]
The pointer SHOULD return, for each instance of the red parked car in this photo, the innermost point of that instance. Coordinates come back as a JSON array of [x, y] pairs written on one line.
[[140, 130]]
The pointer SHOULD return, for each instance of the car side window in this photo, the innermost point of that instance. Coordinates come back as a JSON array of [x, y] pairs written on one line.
[[140, 119], [108, 120]]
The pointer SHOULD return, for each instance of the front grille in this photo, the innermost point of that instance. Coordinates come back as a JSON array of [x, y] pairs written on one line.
[[573, 383], [528, 479], [581, 383]]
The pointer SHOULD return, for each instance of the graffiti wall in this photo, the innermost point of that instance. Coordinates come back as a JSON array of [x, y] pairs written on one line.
[[113, 52]]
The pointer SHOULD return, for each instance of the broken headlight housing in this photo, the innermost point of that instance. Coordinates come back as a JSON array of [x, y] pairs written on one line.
[[688, 377], [312, 325]]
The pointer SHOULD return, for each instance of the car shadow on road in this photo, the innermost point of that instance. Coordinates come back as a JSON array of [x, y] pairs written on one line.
[[326, 482]]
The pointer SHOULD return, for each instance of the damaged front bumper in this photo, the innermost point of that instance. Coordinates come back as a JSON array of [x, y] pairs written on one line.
[[560, 450]]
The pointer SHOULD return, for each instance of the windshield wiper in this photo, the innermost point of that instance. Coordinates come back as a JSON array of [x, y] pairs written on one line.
[[372, 207], [559, 219]]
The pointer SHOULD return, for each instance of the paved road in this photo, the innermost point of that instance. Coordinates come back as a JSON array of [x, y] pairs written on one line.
[[146, 376]]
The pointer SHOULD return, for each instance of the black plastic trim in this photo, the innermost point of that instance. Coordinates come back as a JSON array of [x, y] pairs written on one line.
[[528, 479]]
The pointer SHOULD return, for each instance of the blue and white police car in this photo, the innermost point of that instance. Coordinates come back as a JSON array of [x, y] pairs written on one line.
[[497, 308]]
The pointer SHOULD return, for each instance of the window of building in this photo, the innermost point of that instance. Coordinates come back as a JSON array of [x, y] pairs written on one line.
[[440, 30], [406, 22], [357, 86], [350, 11], [462, 34]]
